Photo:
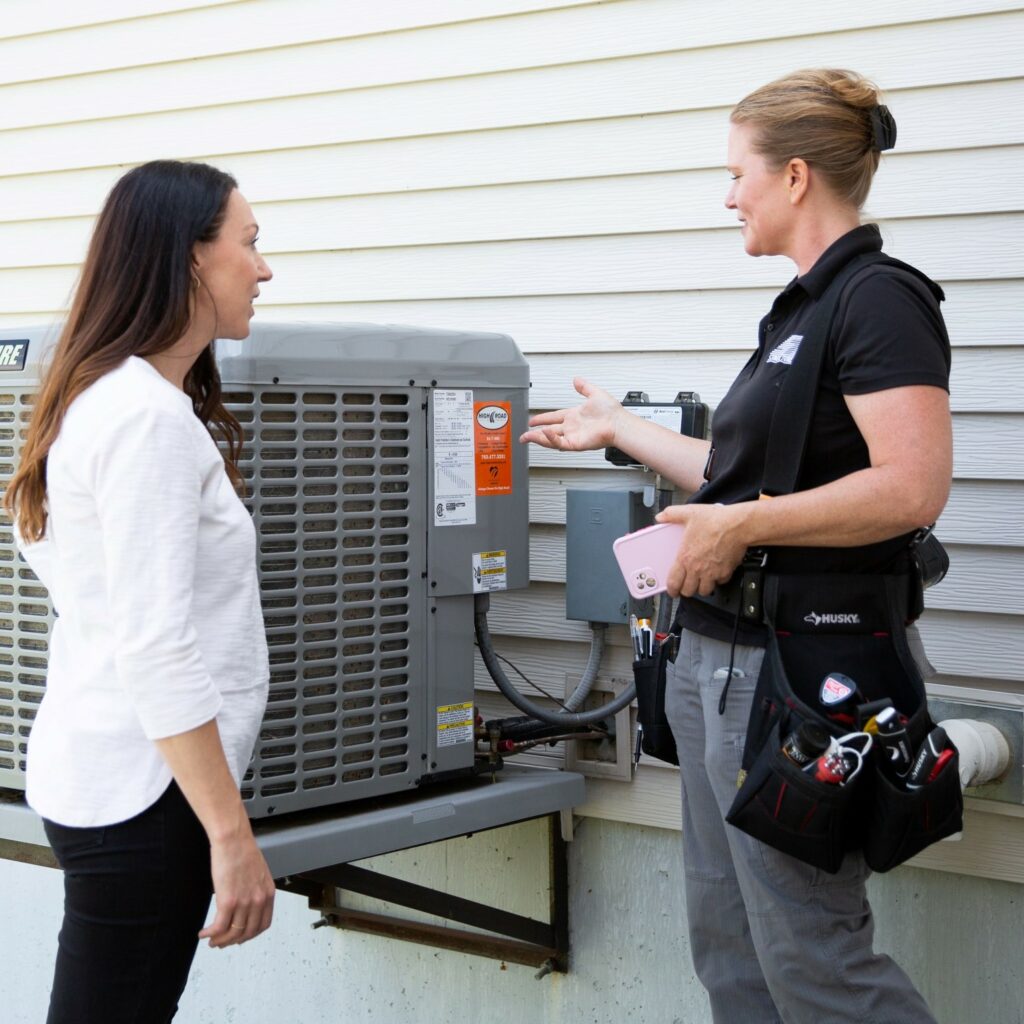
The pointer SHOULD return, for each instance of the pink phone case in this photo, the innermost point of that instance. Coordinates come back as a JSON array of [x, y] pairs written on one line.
[[646, 556]]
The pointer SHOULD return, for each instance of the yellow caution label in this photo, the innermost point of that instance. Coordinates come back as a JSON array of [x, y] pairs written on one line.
[[454, 724]]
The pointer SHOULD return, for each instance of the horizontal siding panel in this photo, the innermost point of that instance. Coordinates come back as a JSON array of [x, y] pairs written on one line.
[[977, 313], [969, 644], [216, 29], [979, 579], [671, 260], [978, 512], [988, 447], [607, 146], [966, 48], [27, 17], [976, 646], [602, 147], [663, 374], [548, 487], [539, 613], [272, 24], [628, 86], [464, 49], [984, 448], [547, 554], [633, 204]]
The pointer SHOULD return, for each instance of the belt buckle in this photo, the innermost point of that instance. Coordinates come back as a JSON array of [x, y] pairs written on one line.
[[751, 585]]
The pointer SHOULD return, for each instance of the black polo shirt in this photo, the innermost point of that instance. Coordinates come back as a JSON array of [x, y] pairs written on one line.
[[888, 333]]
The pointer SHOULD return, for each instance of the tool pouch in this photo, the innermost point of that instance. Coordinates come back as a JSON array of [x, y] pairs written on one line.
[[900, 823], [649, 673], [856, 625], [787, 808]]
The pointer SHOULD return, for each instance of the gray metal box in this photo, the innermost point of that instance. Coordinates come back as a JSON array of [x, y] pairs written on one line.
[[367, 588], [594, 588]]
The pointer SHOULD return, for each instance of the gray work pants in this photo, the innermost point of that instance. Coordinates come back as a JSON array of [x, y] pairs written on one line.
[[773, 939]]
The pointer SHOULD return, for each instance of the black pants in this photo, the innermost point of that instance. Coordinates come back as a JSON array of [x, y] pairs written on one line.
[[135, 897]]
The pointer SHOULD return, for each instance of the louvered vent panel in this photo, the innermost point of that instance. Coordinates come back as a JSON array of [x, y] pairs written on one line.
[[25, 612], [338, 513]]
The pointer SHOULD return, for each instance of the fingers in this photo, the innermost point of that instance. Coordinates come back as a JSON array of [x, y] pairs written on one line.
[[675, 514], [238, 923], [219, 930], [535, 437], [544, 418]]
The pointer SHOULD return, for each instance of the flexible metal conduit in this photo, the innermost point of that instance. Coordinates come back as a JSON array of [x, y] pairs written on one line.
[[571, 717]]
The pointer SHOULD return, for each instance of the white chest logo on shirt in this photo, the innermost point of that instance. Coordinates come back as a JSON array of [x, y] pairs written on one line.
[[786, 351]]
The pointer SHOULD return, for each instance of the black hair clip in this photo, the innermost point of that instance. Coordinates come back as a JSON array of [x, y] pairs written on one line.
[[884, 126]]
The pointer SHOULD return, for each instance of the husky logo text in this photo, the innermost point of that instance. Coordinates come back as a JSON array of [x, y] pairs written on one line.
[[833, 619]]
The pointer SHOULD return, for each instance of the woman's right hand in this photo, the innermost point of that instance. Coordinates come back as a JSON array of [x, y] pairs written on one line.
[[243, 888], [581, 428]]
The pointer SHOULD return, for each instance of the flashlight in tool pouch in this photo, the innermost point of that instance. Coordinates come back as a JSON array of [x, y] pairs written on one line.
[[839, 696]]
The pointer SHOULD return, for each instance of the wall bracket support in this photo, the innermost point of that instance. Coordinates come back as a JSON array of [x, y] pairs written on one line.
[[512, 937]]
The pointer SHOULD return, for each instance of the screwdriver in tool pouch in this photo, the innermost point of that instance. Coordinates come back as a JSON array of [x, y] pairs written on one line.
[[930, 758], [892, 735]]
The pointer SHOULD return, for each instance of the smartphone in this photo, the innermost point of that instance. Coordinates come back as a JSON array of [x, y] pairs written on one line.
[[646, 556]]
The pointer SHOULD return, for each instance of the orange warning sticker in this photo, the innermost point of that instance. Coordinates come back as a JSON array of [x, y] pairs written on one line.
[[492, 436]]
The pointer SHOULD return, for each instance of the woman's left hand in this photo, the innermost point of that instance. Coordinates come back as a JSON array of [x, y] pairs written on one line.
[[713, 545]]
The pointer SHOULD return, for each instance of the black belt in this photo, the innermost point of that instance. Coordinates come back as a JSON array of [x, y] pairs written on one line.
[[742, 593]]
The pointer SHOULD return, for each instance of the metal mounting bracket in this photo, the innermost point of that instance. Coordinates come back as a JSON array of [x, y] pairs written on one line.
[[515, 938]]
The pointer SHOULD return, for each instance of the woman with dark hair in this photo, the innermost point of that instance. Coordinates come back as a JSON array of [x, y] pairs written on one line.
[[158, 670], [774, 939]]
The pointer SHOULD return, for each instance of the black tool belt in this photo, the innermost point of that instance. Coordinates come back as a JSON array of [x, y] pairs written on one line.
[[819, 625]]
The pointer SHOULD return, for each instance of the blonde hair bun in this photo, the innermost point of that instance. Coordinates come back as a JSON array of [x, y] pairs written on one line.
[[826, 116]]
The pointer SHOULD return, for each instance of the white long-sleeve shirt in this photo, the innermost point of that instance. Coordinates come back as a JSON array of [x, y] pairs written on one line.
[[150, 559]]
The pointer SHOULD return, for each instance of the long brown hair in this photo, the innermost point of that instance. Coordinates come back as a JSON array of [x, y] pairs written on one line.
[[823, 116], [133, 298]]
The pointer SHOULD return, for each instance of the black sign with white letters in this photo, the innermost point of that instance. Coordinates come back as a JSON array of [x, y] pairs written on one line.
[[13, 353]]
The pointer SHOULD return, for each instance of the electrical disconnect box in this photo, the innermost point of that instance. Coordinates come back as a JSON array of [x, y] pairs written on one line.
[[594, 588], [388, 488]]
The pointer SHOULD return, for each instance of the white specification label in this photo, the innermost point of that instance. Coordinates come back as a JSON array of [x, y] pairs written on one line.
[[670, 416], [490, 571], [454, 724], [454, 470]]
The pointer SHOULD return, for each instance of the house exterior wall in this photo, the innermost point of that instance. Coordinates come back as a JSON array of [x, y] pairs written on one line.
[[552, 169]]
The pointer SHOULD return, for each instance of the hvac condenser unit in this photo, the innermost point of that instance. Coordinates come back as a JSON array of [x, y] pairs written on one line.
[[388, 488]]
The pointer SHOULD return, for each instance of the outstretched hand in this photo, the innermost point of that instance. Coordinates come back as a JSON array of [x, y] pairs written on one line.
[[713, 546], [581, 428]]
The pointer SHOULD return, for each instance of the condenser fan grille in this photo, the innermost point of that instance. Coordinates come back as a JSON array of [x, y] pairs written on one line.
[[331, 493]]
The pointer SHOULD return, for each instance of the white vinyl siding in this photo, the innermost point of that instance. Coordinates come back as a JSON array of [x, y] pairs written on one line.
[[553, 170]]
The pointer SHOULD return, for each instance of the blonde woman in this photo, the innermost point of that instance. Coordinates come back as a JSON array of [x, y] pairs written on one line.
[[772, 938]]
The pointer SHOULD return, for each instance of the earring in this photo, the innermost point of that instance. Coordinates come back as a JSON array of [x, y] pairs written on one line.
[[195, 282]]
